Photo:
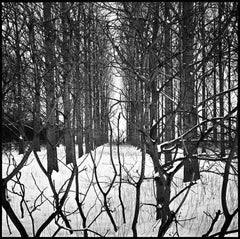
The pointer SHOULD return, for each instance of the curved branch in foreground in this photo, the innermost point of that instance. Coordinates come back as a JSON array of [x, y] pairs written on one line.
[[6, 205], [228, 216]]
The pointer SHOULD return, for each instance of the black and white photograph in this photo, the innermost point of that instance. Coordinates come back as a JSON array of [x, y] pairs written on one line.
[[119, 119]]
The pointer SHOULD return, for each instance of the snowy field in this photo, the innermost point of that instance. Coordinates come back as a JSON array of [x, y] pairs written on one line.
[[204, 197]]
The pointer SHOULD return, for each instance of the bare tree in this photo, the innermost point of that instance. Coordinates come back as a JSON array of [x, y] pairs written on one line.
[[50, 89], [189, 115], [67, 82]]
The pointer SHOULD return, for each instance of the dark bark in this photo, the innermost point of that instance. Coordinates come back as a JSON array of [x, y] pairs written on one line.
[[162, 187], [228, 216], [19, 99], [215, 132], [169, 128], [80, 204], [87, 79], [221, 78], [191, 166], [37, 81], [50, 90], [204, 111], [78, 87], [69, 133], [78, 112], [138, 188], [12, 214], [120, 172]]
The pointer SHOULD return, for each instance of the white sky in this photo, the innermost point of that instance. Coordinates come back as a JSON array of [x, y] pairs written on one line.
[[116, 109]]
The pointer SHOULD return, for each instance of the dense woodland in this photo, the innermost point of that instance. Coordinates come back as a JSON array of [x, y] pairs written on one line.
[[179, 67]]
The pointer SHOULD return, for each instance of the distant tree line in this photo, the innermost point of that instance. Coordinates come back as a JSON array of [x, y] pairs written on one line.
[[56, 76]]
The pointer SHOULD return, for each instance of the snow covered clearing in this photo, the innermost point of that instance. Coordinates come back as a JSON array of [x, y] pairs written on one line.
[[204, 198]]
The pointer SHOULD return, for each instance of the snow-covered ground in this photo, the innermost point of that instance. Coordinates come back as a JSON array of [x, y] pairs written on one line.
[[204, 197]]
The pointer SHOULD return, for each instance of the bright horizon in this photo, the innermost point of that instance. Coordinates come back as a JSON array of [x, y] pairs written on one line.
[[116, 87]]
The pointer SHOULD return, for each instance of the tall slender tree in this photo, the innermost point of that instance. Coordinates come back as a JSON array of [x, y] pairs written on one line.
[[36, 76], [78, 105], [204, 111], [191, 167], [50, 89], [221, 76], [67, 82], [19, 82], [169, 128]]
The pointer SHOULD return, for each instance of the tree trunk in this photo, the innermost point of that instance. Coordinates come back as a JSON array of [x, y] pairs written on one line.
[[21, 135], [88, 87], [78, 106], [191, 166], [36, 107], [169, 122], [104, 115], [215, 130], [50, 89], [204, 127], [67, 76], [221, 80], [97, 91], [230, 139], [162, 187], [153, 114]]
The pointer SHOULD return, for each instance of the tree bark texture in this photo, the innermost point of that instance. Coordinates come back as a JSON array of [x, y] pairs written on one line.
[[21, 143], [162, 187], [221, 78], [50, 90], [169, 128], [67, 81], [191, 166], [37, 81]]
